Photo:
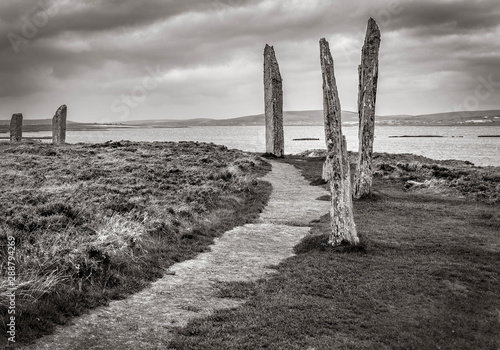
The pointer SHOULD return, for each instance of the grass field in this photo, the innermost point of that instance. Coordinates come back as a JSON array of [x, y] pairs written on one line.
[[97, 222], [427, 275]]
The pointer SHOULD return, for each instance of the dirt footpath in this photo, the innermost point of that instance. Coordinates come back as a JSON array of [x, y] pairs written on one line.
[[144, 320]]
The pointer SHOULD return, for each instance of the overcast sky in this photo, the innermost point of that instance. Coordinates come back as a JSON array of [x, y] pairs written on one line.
[[119, 60]]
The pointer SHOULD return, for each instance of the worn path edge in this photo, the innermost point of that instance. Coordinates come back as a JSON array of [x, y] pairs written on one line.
[[245, 253]]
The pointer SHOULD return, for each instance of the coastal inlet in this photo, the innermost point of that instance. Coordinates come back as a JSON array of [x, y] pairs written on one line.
[[481, 151]]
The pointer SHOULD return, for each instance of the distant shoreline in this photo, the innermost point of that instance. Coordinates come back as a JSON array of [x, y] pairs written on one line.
[[4, 129], [397, 136], [33, 128]]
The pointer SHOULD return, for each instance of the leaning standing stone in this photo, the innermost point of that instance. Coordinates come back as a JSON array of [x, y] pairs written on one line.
[[16, 128], [337, 167], [59, 126], [273, 98], [368, 77]]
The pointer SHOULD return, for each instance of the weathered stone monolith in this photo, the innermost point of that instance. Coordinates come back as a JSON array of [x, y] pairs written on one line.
[[59, 126], [367, 94], [337, 163], [16, 128], [273, 98]]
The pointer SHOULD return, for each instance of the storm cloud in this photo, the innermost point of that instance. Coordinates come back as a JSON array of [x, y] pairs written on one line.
[[118, 60]]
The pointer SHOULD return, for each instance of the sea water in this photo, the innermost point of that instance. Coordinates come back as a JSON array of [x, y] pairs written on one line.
[[455, 142]]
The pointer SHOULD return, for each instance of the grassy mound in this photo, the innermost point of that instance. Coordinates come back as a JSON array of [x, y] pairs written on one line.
[[98, 222], [418, 174], [447, 176], [425, 277]]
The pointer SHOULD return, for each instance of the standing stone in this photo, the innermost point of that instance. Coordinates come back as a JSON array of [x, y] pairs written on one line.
[[16, 128], [59, 126], [368, 76], [273, 98], [337, 167]]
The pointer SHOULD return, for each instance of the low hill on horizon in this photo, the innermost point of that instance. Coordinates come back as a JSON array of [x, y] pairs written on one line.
[[457, 117], [308, 117], [315, 117], [312, 117]]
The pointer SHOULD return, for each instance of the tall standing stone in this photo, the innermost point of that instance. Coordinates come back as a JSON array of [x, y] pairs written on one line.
[[367, 94], [16, 128], [337, 167], [59, 126], [273, 98]]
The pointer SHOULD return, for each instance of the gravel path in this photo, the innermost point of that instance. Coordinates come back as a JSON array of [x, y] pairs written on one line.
[[144, 320]]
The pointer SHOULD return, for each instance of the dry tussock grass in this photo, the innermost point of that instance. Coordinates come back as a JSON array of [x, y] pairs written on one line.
[[94, 222]]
